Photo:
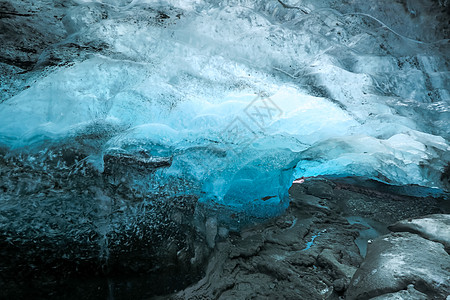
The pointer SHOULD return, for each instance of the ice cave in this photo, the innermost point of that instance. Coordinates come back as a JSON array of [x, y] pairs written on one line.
[[237, 149]]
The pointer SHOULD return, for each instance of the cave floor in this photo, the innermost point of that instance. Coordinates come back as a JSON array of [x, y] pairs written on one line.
[[311, 251]]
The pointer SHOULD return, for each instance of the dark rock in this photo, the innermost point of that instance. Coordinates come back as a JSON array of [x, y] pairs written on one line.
[[311, 201], [397, 260], [320, 189], [445, 176], [340, 285], [384, 207], [411, 294], [327, 259], [433, 227], [248, 246]]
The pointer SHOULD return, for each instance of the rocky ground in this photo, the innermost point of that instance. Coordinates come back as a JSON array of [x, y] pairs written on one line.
[[311, 252], [333, 242]]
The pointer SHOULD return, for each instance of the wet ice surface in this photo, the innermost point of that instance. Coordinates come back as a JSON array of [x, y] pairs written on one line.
[[371, 230], [311, 243], [235, 95]]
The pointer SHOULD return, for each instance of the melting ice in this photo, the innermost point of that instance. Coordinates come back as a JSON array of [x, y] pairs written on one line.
[[230, 101]]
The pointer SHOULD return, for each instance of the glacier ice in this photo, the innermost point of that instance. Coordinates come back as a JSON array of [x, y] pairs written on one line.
[[229, 101]]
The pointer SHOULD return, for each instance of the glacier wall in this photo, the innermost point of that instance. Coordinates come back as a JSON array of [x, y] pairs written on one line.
[[229, 101]]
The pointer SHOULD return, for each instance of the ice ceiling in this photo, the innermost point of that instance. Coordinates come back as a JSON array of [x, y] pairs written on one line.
[[231, 100]]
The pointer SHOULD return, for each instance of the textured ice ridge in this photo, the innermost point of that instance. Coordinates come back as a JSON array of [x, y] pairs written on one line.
[[230, 101]]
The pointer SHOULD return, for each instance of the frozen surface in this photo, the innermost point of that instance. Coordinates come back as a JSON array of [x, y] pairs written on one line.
[[229, 101]]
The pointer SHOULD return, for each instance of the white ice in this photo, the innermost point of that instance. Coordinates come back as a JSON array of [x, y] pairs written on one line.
[[238, 94]]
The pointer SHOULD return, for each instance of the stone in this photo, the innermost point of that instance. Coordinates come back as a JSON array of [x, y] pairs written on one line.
[[248, 246], [310, 201], [340, 284], [211, 231], [327, 259], [432, 227], [320, 189], [397, 260], [410, 293]]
